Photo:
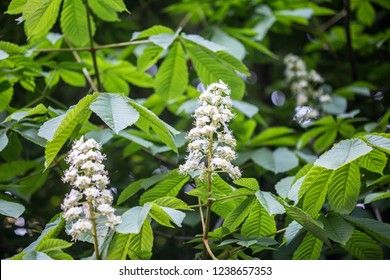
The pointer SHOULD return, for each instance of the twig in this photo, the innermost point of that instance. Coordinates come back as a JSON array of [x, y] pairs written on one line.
[[207, 246], [351, 55], [277, 232]]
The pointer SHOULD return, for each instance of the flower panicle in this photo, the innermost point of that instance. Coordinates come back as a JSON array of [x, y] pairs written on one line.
[[89, 179], [211, 147]]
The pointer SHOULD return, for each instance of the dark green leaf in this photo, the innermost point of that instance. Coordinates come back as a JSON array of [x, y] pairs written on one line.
[[239, 214], [363, 247], [337, 228], [309, 249]]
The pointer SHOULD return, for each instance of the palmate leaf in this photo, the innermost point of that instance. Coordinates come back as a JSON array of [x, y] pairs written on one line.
[[172, 77], [278, 161], [166, 215], [170, 186], [259, 223], [39, 16], [114, 110], [380, 231], [309, 249], [209, 70], [149, 120], [363, 247], [239, 214], [74, 117], [344, 189], [133, 219], [74, 22], [314, 188]]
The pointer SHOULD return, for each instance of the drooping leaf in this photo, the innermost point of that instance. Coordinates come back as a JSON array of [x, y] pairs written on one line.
[[74, 22], [376, 196], [172, 77], [259, 223], [270, 204], [309, 249], [239, 214], [133, 219], [39, 16], [337, 228], [114, 110], [40, 109], [170, 186], [11, 209], [374, 161], [74, 117], [380, 231], [141, 244], [314, 189], [344, 189], [278, 161], [16, 7], [11, 48], [343, 153], [363, 247]]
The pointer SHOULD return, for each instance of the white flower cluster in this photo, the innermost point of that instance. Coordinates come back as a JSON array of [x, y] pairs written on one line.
[[89, 180], [305, 85], [211, 147]]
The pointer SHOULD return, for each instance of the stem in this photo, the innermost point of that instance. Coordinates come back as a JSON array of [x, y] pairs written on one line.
[[92, 49], [94, 231], [277, 232], [351, 55]]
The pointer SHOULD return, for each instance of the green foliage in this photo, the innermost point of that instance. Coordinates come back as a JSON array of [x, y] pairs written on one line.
[[304, 183]]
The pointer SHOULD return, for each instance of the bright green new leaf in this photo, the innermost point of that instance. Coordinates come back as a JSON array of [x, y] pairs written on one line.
[[72, 78], [11, 48], [129, 191], [374, 161], [259, 223], [239, 214], [149, 57], [119, 246], [250, 183], [16, 7], [172, 77], [104, 10], [11, 209], [344, 189], [278, 161], [270, 204], [170, 186], [74, 22], [309, 249], [75, 116], [141, 244], [159, 215], [343, 153], [172, 202], [380, 231], [39, 16], [115, 111], [363, 247], [337, 228], [133, 219], [52, 244], [40, 109], [366, 13], [154, 30]]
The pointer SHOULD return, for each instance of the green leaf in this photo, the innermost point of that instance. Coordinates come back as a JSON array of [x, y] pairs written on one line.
[[363, 247], [119, 247], [380, 231], [344, 189], [239, 214], [16, 168], [255, 45], [148, 119], [52, 244], [374, 161], [115, 83], [104, 10], [300, 16], [283, 186], [72, 78], [246, 108], [129, 191], [259, 223], [270, 204], [74, 22], [210, 70], [16, 7], [172, 202], [309, 249], [170, 186], [343, 153], [39, 17], [40, 109], [337, 228], [366, 13], [325, 140], [271, 135], [133, 219], [48, 129], [115, 111], [376, 196], [11, 48], [172, 77], [149, 57], [164, 40], [379, 142], [176, 216], [268, 19], [59, 255], [6, 94], [199, 40], [232, 45], [314, 188], [154, 30], [141, 244], [250, 183], [11, 209], [232, 62], [304, 219], [278, 161], [3, 139], [160, 216], [74, 117]]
